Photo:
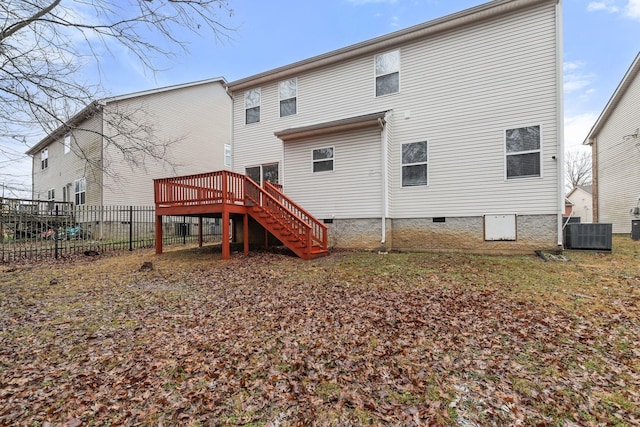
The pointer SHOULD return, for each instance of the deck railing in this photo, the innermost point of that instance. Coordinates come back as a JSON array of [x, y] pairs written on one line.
[[318, 229], [225, 187], [200, 189]]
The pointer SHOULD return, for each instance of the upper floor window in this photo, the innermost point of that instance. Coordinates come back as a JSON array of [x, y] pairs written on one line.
[[67, 143], [252, 105], [522, 148], [323, 159], [80, 191], [44, 158], [51, 195], [414, 164], [387, 73], [227, 155], [288, 93]]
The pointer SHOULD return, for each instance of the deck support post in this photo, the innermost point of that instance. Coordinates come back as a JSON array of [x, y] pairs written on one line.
[[199, 231], [226, 245], [245, 232], [266, 240], [158, 234]]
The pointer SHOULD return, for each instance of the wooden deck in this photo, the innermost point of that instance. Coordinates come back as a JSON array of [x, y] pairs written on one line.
[[229, 194]]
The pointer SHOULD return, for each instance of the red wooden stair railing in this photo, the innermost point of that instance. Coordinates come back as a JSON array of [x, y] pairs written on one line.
[[292, 225], [224, 190]]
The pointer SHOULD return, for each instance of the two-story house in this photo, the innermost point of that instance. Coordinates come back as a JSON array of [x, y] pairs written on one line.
[[443, 136], [109, 153], [615, 152]]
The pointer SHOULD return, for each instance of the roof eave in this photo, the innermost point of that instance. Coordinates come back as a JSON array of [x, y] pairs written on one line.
[[456, 20], [79, 117], [624, 84]]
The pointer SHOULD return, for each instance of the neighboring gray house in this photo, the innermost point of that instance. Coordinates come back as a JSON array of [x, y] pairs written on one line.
[[582, 203], [443, 136], [615, 148], [189, 124]]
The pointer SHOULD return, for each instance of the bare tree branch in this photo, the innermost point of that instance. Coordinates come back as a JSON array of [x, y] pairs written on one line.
[[577, 169], [46, 44]]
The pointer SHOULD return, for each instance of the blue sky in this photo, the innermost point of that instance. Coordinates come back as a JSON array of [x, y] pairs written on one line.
[[601, 39]]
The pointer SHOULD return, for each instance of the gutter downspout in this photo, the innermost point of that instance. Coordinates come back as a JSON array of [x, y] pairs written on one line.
[[385, 178], [560, 120]]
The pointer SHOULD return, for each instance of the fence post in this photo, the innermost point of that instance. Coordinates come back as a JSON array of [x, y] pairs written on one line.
[[130, 228], [184, 230]]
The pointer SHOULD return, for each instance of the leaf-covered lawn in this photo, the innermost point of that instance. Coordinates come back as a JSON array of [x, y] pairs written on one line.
[[351, 339]]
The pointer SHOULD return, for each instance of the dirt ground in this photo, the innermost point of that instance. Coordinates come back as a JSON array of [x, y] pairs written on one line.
[[350, 339]]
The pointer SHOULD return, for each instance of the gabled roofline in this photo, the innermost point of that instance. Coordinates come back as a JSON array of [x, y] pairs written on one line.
[[78, 118], [222, 81], [96, 106], [631, 73], [456, 20]]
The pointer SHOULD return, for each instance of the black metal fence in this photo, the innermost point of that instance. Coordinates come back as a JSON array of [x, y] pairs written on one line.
[[36, 229]]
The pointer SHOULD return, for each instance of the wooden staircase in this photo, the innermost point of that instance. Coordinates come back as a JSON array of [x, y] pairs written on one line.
[[226, 193], [292, 225]]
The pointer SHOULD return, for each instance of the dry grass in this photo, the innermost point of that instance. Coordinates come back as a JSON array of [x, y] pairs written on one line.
[[351, 339]]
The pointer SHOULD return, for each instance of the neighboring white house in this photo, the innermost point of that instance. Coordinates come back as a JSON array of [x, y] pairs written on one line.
[[175, 130], [443, 136], [615, 147], [582, 203]]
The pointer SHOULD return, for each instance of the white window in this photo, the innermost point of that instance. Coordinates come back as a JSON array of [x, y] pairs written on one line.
[[44, 158], [51, 195], [288, 93], [387, 67], [323, 159], [252, 105], [522, 152], [227, 155], [80, 191], [67, 143], [414, 164]]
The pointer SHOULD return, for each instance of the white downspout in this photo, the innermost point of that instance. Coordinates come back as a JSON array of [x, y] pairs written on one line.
[[560, 119], [385, 178]]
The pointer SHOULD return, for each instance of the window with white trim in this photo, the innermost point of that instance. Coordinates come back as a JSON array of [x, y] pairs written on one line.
[[522, 152], [252, 105], [51, 195], [80, 191], [67, 143], [387, 70], [227, 155], [323, 159], [414, 163], [288, 94], [44, 158], [262, 173]]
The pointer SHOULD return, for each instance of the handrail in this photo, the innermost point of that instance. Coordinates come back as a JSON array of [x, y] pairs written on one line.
[[290, 219], [319, 229]]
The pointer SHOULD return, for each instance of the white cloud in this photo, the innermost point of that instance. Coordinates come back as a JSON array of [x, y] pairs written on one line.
[[633, 9], [576, 128], [606, 5], [575, 79]]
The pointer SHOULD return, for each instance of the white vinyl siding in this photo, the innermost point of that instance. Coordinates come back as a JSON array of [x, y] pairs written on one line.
[[197, 118], [618, 162], [354, 190], [67, 143], [460, 90]]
